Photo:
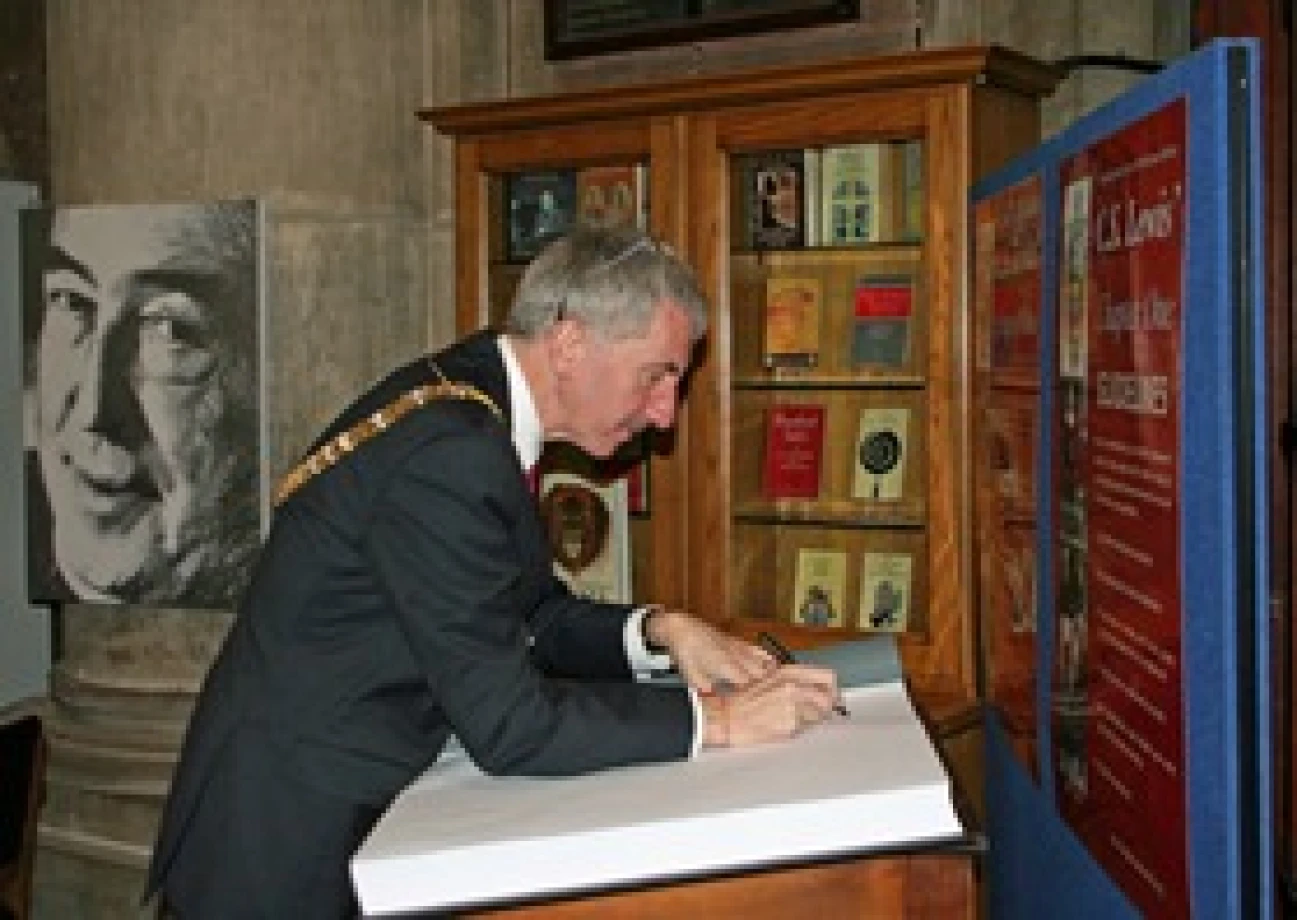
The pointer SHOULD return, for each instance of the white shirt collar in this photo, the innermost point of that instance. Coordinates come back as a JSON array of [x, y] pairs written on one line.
[[525, 423]]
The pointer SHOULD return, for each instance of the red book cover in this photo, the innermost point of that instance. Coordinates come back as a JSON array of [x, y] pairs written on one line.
[[882, 331], [884, 297], [794, 451]]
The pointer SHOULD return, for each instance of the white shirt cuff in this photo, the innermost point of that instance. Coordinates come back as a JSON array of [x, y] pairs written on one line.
[[697, 744], [643, 663]]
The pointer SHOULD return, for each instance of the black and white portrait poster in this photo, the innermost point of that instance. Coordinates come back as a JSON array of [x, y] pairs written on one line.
[[142, 409]]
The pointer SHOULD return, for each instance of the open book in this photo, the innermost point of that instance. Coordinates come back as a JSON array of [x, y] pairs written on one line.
[[869, 781]]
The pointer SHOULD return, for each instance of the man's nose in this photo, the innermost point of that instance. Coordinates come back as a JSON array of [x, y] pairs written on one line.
[[660, 411], [108, 391]]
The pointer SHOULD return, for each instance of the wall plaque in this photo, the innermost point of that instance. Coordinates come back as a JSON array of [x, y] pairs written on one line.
[[582, 28]]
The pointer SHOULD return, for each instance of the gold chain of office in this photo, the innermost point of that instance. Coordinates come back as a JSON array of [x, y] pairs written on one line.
[[329, 453]]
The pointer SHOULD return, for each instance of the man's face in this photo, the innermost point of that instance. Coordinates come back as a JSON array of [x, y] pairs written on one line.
[[613, 390], [138, 392]]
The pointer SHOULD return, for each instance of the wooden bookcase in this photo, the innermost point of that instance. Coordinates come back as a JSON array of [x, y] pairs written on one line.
[[714, 541]]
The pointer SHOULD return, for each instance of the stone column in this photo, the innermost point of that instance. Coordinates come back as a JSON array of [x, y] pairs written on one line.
[[311, 108]]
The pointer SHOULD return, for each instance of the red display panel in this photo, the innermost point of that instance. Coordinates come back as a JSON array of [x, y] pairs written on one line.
[[1118, 700]]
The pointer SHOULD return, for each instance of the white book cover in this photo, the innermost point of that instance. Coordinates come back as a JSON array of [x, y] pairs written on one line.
[[851, 194], [851, 785], [881, 452]]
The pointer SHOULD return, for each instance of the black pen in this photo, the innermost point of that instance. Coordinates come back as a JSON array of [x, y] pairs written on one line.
[[783, 656]]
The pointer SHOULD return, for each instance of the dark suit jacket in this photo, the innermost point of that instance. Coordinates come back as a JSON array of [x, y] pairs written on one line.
[[403, 595]]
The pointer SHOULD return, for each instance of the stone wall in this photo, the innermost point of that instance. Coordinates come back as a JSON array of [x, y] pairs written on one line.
[[309, 107], [506, 38], [1153, 30]]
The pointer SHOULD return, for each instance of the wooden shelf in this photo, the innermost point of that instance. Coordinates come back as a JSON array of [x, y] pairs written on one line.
[[792, 512], [773, 380]]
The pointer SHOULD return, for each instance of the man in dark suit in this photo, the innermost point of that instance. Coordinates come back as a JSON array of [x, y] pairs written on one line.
[[406, 595]]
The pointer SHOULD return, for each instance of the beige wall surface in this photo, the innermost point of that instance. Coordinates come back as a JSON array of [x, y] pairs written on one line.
[[1149, 30]]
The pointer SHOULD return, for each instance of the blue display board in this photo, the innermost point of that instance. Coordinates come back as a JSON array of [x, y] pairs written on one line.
[[1128, 745]]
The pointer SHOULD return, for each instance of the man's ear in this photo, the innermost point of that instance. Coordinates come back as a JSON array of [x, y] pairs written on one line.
[[567, 344]]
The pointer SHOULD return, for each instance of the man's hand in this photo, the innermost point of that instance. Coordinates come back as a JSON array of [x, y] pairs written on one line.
[[775, 707], [746, 697], [707, 658]]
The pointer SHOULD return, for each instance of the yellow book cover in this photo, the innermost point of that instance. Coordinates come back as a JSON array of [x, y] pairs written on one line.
[[792, 322], [881, 451], [820, 587], [886, 591], [610, 196]]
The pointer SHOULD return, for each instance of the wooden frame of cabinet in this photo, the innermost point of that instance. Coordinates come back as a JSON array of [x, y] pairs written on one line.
[[973, 109]]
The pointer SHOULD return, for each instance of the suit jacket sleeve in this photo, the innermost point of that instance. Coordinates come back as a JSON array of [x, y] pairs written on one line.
[[574, 636], [455, 537]]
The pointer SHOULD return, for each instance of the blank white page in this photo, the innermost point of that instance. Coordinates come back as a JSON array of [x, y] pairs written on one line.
[[456, 837]]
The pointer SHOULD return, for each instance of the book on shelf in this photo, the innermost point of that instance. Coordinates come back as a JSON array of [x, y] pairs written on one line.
[[884, 312], [881, 453], [772, 194], [611, 196], [794, 453], [541, 206], [850, 191], [878, 783], [588, 530], [792, 322], [819, 587], [886, 591]]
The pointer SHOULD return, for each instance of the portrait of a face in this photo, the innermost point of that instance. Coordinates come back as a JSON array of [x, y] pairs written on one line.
[[141, 328]]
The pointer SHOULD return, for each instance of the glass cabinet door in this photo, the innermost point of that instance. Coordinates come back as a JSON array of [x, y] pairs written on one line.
[[525, 171], [829, 328], [596, 510], [837, 379]]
